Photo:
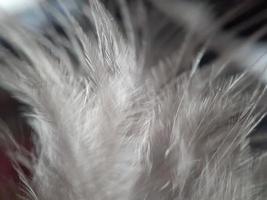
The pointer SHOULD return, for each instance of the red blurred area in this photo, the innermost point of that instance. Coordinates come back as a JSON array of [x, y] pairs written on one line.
[[9, 113]]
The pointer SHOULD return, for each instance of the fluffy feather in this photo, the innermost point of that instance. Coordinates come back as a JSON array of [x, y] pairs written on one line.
[[109, 127]]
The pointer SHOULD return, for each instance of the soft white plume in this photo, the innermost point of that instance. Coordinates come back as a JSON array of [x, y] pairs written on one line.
[[109, 127]]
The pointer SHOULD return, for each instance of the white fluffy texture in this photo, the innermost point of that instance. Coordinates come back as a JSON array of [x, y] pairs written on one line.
[[107, 131]]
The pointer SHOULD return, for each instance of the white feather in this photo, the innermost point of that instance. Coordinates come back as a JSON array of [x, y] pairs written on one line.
[[106, 131]]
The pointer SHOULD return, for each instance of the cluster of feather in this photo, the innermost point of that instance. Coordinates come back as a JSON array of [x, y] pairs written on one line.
[[108, 127]]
